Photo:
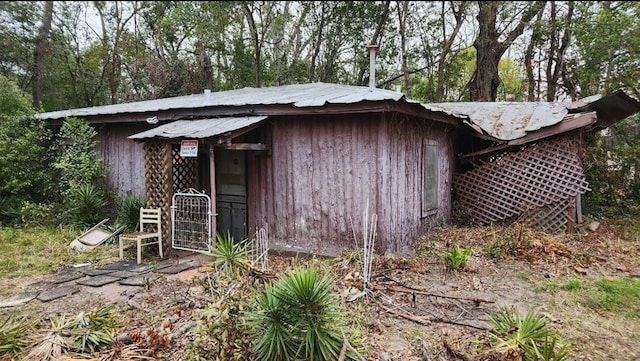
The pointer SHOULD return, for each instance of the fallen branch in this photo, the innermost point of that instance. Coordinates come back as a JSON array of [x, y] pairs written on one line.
[[427, 293], [455, 353], [425, 321]]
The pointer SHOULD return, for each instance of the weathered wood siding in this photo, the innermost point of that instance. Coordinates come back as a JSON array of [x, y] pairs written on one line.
[[323, 172], [123, 157]]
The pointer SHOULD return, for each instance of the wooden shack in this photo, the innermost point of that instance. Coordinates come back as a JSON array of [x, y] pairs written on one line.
[[307, 162], [312, 163]]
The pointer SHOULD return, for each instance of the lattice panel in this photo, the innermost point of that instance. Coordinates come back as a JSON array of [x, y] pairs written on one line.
[[552, 218], [185, 171], [158, 181], [539, 177]]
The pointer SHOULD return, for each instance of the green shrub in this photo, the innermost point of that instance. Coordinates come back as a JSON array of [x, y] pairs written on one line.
[[13, 333], [129, 212], [231, 257], [457, 258], [530, 336], [24, 153], [46, 215], [86, 205], [298, 318]]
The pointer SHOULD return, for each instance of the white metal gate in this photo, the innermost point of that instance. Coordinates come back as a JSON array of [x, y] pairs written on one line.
[[191, 221]]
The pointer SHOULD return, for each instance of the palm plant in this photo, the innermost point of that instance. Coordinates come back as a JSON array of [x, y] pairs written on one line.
[[230, 256], [298, 317], [12, 331], [129, 212], [529, 336]]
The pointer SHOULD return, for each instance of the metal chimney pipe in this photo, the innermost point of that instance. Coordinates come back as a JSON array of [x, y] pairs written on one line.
[[372, 65]]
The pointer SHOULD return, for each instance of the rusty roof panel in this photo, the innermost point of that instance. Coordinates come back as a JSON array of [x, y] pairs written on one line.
[[299, 95], [610, 108], [198, 129], [507, 120]]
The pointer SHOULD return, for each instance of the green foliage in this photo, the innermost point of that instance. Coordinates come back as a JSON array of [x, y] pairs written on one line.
[[611, 168], [572, 285], [530, 336], [30, 250], [40, 214], [79, 162], [13, 333], [24, 175], [298, 317], [513, 80], [456, 258], [81, 174], [129, 212], [618, 296], [86, 205], [231, 257], [223, 334], [95, 328]]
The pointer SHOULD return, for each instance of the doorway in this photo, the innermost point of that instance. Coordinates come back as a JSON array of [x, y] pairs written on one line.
[[231, 192]]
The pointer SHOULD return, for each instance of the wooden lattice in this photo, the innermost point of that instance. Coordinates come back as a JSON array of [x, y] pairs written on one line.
[[185, 171], [537, 184], [158, 181]]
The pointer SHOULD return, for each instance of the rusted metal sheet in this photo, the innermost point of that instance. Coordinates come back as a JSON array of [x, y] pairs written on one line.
[[610, 108], [323, 173], [198, 129], [507, 120], [299, 95]]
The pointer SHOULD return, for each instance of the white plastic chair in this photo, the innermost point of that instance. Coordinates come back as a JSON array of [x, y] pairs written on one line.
[[150, 232]]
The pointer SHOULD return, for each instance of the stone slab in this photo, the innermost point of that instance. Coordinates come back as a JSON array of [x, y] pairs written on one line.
[[98, 281], [42, 285], [175, 269], [55, 293], [18, 299], [66, 277], [130, 266], [96, 272], [123, 274], [137, 281], [123, 265]]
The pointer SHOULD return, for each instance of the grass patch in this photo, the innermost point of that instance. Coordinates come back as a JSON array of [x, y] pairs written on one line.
[[619, 296], [29, 251], [572, 285]]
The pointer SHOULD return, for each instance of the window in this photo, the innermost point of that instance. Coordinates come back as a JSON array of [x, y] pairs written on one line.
[[430, 165]]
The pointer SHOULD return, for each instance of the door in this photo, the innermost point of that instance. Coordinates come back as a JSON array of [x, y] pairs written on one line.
[[231, 192]]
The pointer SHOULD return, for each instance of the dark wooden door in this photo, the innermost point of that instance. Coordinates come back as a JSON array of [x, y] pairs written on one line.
[[231, 192]]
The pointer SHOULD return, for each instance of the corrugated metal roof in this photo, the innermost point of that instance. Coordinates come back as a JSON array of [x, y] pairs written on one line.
[[506, 120], [198, 129], [299, 95], [513, 120], [499, 120]]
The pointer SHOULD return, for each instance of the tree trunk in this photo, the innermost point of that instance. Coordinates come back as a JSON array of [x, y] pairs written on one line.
[[257, 51], [528, 59], [447, 44], [485, 79], [40, 52]]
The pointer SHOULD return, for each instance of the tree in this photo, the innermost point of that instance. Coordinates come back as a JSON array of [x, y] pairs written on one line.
[[484, 83], [40, 52], [24, 141]]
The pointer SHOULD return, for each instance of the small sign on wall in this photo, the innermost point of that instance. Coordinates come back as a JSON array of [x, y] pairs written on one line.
[[189, 148]]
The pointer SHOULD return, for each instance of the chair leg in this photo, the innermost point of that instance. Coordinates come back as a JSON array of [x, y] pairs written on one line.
[[160, 247], [139, 251], [121, 251]]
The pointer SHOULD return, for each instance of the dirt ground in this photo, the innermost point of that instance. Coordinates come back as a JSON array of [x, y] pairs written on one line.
[[417, 308]]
